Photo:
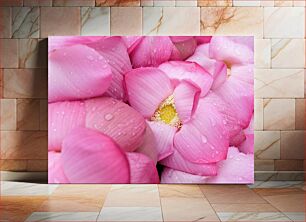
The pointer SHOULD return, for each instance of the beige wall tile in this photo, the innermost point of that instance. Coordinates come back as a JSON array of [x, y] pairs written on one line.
[[288, 53], [37, 2], [73, 2], [24, 145], [8, 53], [1, 83], [267, 145], [262, 53], [95, 21], [32, 53], [37, 165], [146, 2], [215, 3], [279, 114], [25, 83], [51, 17], [25, 22], [119, 16], [304, 83], [117, 2], [258, 114], [246, 3], [266, 2], [162, 3], [43, 114], [289, 165], [292, 145], [13, 165], [28, 114], [5, 22], [264, 165], [232, 21], [300, 3], [186, 3], [4, 3], [8, 114], [278, 22], [283, 3], [279, 83], [160, 21], [300, 114]]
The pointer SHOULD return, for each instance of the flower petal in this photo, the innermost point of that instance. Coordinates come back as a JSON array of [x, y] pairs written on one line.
[[77, 72], [142, 168], [181, 70], [184, 47], [243, 72], [132, 41], [186, 96], [164, 137], [203, 39], [55, 169], [174, 176], [176, 161], [237, 168], [147, 88], [92, 157], [151, 51], [247, 146]]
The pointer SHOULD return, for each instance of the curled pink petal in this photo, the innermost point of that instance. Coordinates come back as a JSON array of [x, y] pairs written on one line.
[[151, 51], [247, 146], [92, 157], [164, 137], [237, 168], [147, 88], [202, 39], [77, 72], [190, 71], [55, 169], [132, 41], [174, 176], [176, 161], [184, 47], [142, 168]]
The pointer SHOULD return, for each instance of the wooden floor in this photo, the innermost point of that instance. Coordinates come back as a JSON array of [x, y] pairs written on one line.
[[270, 201]]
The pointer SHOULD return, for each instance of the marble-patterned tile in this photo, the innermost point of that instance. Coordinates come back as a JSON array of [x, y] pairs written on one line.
[[277, 184], [304, 83], [172, 190], [9, 188], [279, 83], [292, 145], [230, 194], [119, 16], [123, 3], [5, 3], [1, 83], [219, 3], [279, 114], [25, 83], [299, 3], [246, 3], [23, 144], [8, 114], [43, 114], [37, 165], [187, 209], [279, 176], [283, 50], [63, 216], [295, 216], [169, 20], [37, 2], [278, 19], [289, 165], [232, 21], [130, 214], [262, 53], [5, 22], [163, 3], [262, 165], [25, 22], [300, 114], [133, 196], [8, 53], [186, 3], [54, 21], [28, 114], [253, 216], [266, 3], [267, 145], [95, 21], [74, 3], [278, 3], [258, 114], [13, 165], [32, 53], [146, 2], [262, 207]]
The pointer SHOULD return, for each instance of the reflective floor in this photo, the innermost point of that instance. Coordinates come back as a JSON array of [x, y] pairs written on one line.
[[263, 201]]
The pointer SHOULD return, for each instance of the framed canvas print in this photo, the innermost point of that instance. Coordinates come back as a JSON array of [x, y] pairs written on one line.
[[150, 109]]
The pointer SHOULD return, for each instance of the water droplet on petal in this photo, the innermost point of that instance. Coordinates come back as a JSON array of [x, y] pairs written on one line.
[[204, 139], [108, 117]]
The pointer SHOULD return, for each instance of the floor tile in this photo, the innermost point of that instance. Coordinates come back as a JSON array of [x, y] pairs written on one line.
[[63, 216], [171, 190], [130, 214], [273, 216], [296, 216], [277, 184], [263, 207], [26, 189]]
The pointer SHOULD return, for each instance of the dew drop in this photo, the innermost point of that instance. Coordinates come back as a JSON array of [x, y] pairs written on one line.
[[204, 139], [108, 117]]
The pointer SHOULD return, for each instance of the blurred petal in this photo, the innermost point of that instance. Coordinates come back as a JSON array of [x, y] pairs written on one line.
[[142, 168], [55, 169], [147, 88], [92, 157], [77, 72], [184, 47], [181, 70], [174, 176], [237, 168]]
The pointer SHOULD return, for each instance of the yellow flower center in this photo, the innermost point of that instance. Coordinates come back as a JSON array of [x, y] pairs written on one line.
[[166, 113]]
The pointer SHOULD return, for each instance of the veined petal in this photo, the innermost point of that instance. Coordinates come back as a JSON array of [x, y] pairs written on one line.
[[132, 41], [174, 176], [147, 88], [55, 169], [92, 157], [142, 168], [184, 47], [77, 72]]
